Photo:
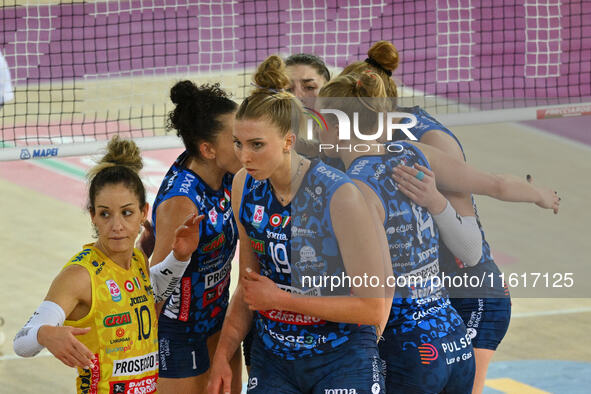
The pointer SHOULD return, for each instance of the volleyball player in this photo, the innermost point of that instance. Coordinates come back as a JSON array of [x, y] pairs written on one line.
[[199, 182], [99, 314], [426, 346], [486, 311], [307, 74], [298, 216]]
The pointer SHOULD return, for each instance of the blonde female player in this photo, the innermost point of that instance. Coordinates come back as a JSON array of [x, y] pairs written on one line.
[[299, 218], [486, 311], [426, 346], [99, 313]]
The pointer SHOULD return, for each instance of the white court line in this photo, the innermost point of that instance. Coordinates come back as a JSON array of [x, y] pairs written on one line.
[[550, 313]]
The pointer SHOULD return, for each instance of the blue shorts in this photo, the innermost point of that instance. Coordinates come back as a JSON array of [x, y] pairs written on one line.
[[486, 319], [440, 365], [182, 355], [354, 366]]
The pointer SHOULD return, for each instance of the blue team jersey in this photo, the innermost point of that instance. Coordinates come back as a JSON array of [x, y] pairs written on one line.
[[289, 242], [421, 309], [450, 265], [199, 302]]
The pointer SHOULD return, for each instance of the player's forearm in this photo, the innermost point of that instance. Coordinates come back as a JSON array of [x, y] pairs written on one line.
[[355, 310], [237, 323]]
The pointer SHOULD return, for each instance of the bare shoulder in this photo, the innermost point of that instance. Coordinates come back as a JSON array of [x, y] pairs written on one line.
[[72, 283], [443, 141]]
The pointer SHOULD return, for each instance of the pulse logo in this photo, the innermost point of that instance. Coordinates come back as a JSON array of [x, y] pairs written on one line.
[[428, 353]]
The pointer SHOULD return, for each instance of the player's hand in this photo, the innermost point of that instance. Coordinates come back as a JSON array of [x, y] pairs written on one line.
[[186, 237], [220, 376], [63, 344], [422, 192], [549, 199], [147, 239], [260, 292]]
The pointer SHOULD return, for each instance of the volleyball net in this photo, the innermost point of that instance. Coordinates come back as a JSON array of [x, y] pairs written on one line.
[[84, 71]]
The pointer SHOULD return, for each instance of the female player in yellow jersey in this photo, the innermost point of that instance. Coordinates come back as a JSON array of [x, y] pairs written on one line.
[[99, 313]]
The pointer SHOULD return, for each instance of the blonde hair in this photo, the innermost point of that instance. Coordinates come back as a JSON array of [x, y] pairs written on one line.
[[271, 101], [121, 164], [368, 89], [384, 55]]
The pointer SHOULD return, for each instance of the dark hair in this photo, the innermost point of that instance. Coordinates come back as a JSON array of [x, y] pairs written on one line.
[[120, 165], [195, 117], [309, 60]]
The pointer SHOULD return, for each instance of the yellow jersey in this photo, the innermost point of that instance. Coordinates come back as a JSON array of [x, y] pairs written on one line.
[[124, 327]]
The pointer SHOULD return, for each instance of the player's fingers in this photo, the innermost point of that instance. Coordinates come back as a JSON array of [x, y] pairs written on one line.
[[425, 170], [407, 193]]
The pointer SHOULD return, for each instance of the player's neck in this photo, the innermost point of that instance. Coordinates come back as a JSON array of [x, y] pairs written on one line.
[[207, 170]]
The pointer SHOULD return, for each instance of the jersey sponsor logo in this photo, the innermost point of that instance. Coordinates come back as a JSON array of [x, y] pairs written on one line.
[[117, 349], [291, 317], [114, 290], [144, 385], [135, 365], [332, 175], [120, 332], [295, 290], [210, 296], [427, 353], [185, 299], [277, 220], [379, 171], [257, 245], [302, 232], [308, 340], [119, 319], [358, 167], [340, 391], [419, 315], [214, 277], [402, 228], [277, 236], [399, 213], [314, 196], [216, 243], [186, 184], [89, 378], [257, 217], [457, 345], [307, 254], [137, 300], [425, 254], [99, 267], [213, 216]]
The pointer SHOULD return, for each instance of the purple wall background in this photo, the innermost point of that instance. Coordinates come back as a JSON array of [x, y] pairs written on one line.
[[73, 41]]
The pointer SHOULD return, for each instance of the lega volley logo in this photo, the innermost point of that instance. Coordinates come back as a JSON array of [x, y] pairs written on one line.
[[388, 123]]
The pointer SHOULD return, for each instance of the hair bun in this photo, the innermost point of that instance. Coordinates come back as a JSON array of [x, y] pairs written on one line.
[[385, 54], [183, 92], [123, 152], [271, 74]]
